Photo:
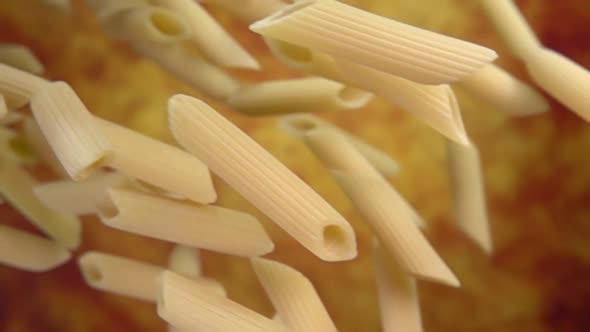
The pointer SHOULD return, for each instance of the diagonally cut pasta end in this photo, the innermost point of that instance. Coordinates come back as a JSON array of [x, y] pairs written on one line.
[[259, 26], [352, 98], [340, 244], [456, 132], [91, 272], [107, 210], [298, 124]]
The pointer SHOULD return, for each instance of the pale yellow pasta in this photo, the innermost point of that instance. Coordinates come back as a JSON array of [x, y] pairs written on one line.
[[506, 93], [15, 149], [187, 305], [70, 129], [398, 295], [249, 10], [190, 68], [352, 34], [10, 118], [30, 252], [512, 27], [20, 57], [185, 260], [435, 105], [16, 187], [390, 217], [298, 124], [209, 36], [37, 141], [148, 23], [78, 198], [261, 179], [293, 296], [120, 275], [468, 193], [311, 94], [159, 164], [18, 86], [208, 227], [565, 80], [106, 10]]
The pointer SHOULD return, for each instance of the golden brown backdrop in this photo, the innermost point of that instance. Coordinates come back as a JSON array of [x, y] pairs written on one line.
[[537, 176]]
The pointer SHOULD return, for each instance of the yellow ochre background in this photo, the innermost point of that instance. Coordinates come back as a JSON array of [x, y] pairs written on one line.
[[537, 177]]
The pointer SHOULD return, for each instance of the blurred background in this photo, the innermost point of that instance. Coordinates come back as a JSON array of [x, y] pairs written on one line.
[[537, 179]]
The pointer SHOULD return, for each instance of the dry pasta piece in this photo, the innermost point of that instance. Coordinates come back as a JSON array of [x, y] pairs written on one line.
[[70, 129], [208, 227], [128, 277], [188, 306], [106, 10], [249, 10], [434, 105], [298, 124], [390, 217], [159, 164], [562, 78], [508, 94], [30, 252], [16, 186], [185, 260], [468, 193], [20, 57], [512, 27], [37, 141], [14, 148], [398, 295], [18, 86], [311, 94], [261, 179], [190, 68], [297, 303], [148, 23], [78, 198], [209, 36], [386, 45]]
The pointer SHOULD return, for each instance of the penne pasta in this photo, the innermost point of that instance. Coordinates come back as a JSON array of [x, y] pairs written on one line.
[[398, 295], [190, 68], [14, 148], [119, 275], [208, 227], [185, 260], [434, 105], [20, 57], [128, 277], [298, 124], [37, 141], [30, 252], [78, 198], [148, 23], [361, 37], [297, 95], [261, 179], [390, 217], [512, 27], [506, 93], [107, 10], [297, 303], [70, 129], [213, 41], [468, 193], [249, 10], [157, 163], [187, 305], [565, 80], [16, 187], [18, 86]]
